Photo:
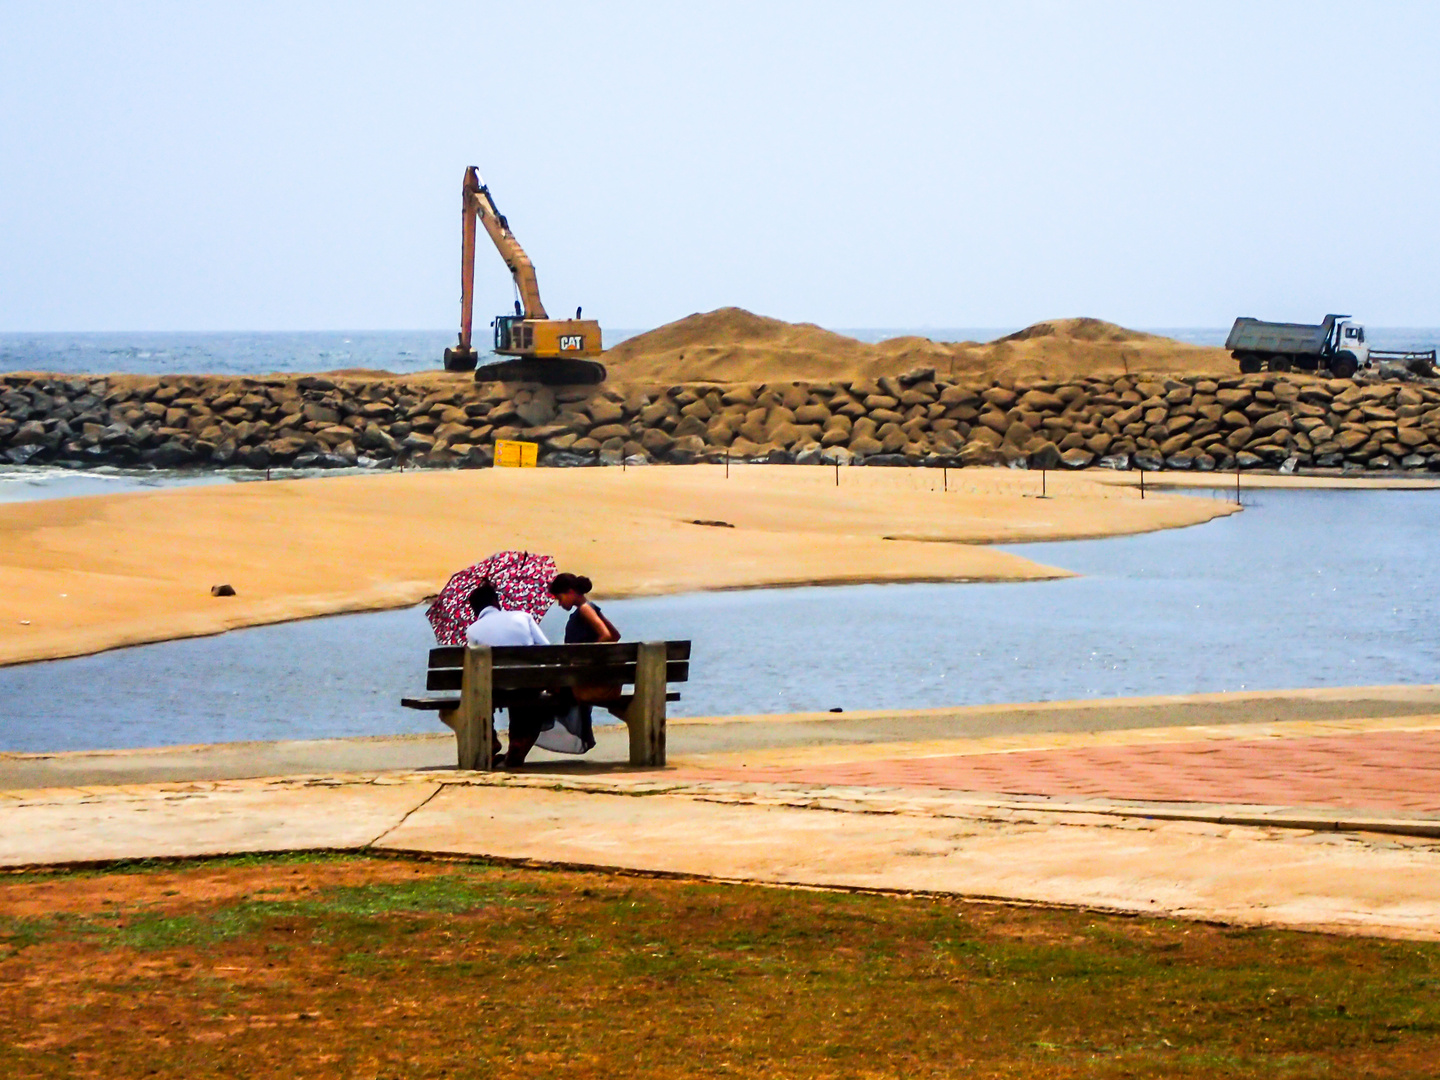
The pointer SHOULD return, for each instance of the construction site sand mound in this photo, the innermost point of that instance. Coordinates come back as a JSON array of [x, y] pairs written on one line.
[[734, 345]]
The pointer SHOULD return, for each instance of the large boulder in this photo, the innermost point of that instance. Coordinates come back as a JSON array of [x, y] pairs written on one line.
[[604, 411], [320, 414], [1040, 401], [539, 410], [603, 433], [1410, 437], [1271, 423], [999, 397], [284, 448], [1173, 445], [686, 449], [1045, 456], [655, 442], [689, 425], [376, 437], [23, 455], [170, 455], [1147, 461], [254, 457], [1239, 438], [30, 433]]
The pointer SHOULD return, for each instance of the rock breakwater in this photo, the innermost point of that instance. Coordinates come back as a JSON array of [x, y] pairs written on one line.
[[1181, 422]]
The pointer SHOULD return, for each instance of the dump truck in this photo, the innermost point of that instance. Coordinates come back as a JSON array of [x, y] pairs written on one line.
[[554, 352], [1336, 345]]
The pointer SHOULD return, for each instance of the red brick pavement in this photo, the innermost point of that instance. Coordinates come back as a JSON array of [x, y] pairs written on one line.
[[1374, 770]]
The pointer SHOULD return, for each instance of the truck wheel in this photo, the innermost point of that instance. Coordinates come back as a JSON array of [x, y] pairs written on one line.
[[1280, 363], [1249, 363], [1344, 365]]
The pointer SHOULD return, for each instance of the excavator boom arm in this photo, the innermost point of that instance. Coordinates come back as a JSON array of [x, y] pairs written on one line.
[[479, 201]]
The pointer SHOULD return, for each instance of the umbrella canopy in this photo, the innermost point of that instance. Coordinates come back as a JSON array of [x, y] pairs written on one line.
[[521, 580]]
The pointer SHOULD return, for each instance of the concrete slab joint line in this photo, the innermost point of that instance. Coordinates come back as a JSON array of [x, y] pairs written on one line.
[[418, 806]]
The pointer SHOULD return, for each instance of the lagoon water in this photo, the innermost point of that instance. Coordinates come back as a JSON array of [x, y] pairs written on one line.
[[1305, 588]]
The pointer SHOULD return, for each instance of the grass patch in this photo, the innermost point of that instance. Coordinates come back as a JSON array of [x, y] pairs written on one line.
[[369, 967]]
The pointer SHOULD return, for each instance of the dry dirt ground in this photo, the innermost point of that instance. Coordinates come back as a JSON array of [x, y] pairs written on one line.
[[306, 966]]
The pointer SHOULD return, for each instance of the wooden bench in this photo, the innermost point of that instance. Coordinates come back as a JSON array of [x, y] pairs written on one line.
[[474, 682]]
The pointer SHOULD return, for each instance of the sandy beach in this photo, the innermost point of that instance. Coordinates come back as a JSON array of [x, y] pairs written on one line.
[[82, 575]]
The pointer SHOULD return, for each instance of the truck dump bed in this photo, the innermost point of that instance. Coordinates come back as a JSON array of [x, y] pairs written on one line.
[[1296, 339]]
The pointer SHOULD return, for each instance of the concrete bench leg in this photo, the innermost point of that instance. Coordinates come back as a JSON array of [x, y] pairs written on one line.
[[475, 719], [646, 716]]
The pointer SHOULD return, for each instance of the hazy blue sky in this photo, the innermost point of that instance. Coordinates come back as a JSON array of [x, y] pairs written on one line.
[[297, 165]]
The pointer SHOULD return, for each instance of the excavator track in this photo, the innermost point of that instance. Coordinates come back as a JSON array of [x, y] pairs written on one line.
[[559, 372]]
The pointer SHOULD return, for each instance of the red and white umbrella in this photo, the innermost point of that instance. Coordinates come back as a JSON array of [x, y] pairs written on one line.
[[521, 580]]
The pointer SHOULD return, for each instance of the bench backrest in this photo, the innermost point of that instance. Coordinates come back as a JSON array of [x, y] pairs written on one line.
[[524, 667]]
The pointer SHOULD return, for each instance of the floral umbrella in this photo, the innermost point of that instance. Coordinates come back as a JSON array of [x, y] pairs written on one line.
[[521, 579]]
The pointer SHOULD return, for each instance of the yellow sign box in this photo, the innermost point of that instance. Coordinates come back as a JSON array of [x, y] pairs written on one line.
[[514, 454]]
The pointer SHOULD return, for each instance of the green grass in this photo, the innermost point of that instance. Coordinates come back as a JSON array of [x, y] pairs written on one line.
[[463, 970], [142, 929]]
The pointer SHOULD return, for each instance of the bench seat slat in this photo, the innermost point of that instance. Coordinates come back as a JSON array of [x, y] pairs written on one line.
[[624, 652], [440, 702], [502, 699], [527, 678]]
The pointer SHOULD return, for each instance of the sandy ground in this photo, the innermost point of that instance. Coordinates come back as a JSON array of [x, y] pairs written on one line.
[[82, 575]]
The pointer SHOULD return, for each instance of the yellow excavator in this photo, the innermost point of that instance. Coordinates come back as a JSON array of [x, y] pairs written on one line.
[[544, 350]]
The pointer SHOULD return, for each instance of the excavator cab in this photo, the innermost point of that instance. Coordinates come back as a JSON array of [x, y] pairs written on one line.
[[554, 352], [550, 339]]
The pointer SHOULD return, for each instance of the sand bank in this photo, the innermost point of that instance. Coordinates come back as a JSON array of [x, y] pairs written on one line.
[[734, 345], [83, 575]]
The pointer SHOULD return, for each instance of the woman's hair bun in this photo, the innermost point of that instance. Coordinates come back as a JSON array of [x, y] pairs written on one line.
[[570, 583]]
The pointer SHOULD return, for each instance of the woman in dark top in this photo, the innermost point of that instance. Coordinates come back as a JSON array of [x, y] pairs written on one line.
[[588, 624], [571, 731]]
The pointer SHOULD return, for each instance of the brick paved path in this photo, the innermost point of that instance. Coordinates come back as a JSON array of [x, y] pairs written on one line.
[[1390, 770]]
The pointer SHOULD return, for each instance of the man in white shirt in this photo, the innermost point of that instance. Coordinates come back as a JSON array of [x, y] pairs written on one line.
[[496, 627]]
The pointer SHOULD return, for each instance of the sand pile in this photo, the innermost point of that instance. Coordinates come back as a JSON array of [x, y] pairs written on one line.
[[733, 345]]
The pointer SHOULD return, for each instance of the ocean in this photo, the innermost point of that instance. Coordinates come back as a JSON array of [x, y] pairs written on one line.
[[405, 351]]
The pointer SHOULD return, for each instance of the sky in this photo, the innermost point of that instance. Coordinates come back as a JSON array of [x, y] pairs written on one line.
[[297, 166]]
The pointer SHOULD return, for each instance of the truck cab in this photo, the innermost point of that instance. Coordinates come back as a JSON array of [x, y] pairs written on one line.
[[1350, 337]]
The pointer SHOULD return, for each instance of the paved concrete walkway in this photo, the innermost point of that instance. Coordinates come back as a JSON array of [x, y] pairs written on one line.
[[1315, 809], [1388, 764]]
